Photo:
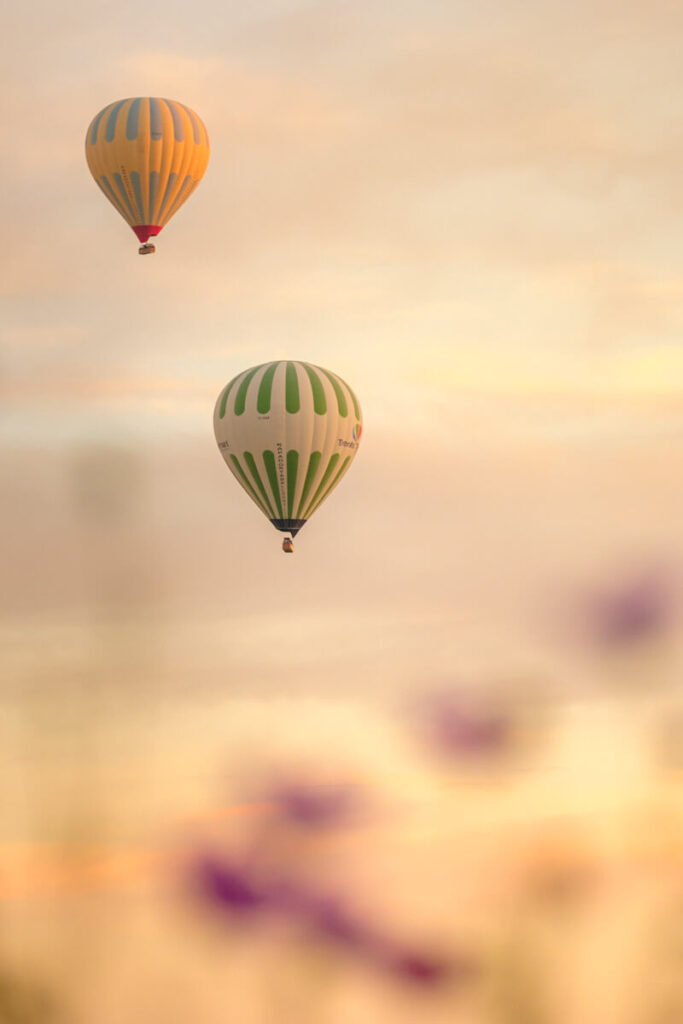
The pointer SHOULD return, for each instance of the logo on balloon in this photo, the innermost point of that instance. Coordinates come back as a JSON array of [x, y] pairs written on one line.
[[357, 431]]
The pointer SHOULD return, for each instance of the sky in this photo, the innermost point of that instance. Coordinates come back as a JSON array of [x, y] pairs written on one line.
[[437, 201], [470, 211]]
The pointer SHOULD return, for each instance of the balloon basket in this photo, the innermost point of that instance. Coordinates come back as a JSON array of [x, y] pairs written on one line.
[[147, 248]]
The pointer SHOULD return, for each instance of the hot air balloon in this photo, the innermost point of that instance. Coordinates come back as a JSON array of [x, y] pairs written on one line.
[[288, 431], [147, 155]]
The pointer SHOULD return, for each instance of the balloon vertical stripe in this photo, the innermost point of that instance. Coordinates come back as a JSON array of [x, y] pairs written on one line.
[[292, 403], [245, 483], [133, 118], [137, 191], [110, 130], [96, 125], [356, 406], [118, 181], [321, 486], [341, 400], [331, 487], [110, 194], [319, 400], [266, 389], [183, 194], [269, 462], [195, 122], [153, 189], [241, 398], [224, 399], [313, 463], [178, 126], [156, 129], [170, 187], [253, 469]]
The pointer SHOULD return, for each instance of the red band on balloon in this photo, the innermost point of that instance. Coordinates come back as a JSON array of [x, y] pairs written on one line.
[[145, 231]]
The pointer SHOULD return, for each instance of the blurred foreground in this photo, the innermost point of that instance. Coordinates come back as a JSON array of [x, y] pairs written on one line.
[[383, 781]]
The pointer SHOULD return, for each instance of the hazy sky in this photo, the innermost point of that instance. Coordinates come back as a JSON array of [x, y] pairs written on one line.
[[432, 199], [471, 211]]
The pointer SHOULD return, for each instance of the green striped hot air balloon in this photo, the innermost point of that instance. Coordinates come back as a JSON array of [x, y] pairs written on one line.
[[288, 431]]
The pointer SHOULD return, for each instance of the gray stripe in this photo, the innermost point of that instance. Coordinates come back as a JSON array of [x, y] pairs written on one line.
[[111, 121], [153, 187], [194, 120], [110, 194], [170, 185], [155, 122], [124, 195], [182, 195], [133, 117], [96, 125], [135, 181], [178, 126]]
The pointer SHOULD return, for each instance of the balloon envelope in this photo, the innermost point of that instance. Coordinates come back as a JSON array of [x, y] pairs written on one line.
[[288, 431], [147, 155]]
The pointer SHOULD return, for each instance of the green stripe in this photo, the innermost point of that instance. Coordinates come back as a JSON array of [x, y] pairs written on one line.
[[269, 460], [266, 389], [319, 400], [356, 406], [332, 485], [292, 400], [224, 399], [313, 464], [247, 486], [253, 469], [292, 470], [341, 398], [241, 398], [326, 476]]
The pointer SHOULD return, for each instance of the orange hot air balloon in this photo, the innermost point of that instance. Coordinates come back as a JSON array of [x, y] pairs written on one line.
[[147, 155]]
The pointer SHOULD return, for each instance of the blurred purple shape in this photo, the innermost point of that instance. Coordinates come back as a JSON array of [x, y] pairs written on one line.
[[636, 610], [312, 807], [333, 921], [419, 968], [226, 886], [427, 969], [454, 726], [230, 887]]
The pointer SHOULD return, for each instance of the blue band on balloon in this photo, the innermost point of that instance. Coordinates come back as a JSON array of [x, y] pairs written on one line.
[[133, 117], [111, 121], [178, 126], [155, 121]]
